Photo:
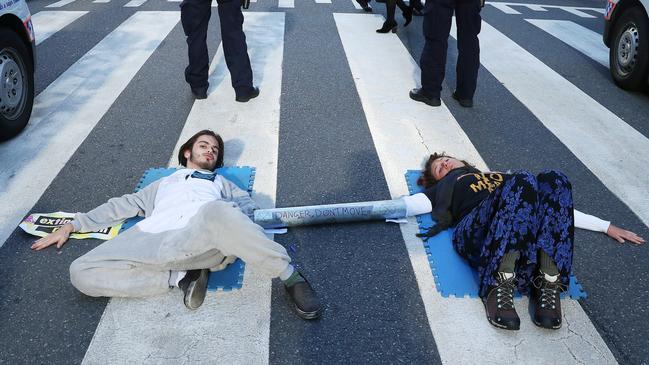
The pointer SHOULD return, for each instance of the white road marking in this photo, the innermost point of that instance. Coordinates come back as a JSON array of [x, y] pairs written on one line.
[[70, 107], [101, 1], [610, 148], [232, 327], [536, 7], [323, 1], [506, 7], [60, 3], [286, 3], [422, 130], [357, 6], [578, 37], [46, 23], [134, 3]]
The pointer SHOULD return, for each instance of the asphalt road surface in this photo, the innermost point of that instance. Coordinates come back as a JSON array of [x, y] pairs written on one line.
[[333, 124]]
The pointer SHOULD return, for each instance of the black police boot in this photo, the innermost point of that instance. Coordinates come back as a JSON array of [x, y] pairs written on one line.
[[365, 4], [499, 304], [419, 95], [200, 92], [388, 27], [467, 103], [305, 300], [194, 287], [244, 97], [546, 301]]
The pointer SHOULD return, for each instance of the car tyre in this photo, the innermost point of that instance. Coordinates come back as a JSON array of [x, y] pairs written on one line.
[[629, 52], [16, 84]]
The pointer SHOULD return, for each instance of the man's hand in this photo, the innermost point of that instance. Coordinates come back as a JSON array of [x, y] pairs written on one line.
[[60, 236], [620, 235]]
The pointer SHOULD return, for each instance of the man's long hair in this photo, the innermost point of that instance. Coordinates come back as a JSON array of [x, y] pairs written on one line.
[[189, 145]]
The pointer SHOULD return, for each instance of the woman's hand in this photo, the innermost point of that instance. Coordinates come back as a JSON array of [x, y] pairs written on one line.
[[60, 236], [621, 235]]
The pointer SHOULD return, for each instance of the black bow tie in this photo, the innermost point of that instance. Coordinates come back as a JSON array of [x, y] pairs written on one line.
[[204, 176]]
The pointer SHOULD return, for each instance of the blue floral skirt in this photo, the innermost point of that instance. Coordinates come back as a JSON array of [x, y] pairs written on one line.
[[525, 213]]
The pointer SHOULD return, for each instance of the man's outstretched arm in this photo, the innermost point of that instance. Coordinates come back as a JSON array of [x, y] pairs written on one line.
[[110, 213]]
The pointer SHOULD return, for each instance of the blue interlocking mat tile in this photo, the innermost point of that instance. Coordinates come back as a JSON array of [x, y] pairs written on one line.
[[452, 274], [232, 276]]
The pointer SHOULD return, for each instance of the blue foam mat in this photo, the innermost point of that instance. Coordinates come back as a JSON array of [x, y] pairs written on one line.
[[232, 276], [452, 274]]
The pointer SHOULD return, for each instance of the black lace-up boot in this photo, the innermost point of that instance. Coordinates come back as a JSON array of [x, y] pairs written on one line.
[[499, 303], [546, 299]]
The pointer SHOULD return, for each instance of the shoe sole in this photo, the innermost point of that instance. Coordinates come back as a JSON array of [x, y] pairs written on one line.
[[196, 292], [539, 324], [307, 315]]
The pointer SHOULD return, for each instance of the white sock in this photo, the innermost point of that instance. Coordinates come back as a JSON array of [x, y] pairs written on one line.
[[284, 275], [550, 278], [175, 277]]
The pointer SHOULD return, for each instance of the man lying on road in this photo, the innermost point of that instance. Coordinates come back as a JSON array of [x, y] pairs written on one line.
[[195, 221]]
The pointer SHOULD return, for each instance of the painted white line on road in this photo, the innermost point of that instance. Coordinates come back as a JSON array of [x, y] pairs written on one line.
[[60, 3], [577, 12], [286, 3], [46, 23], [323, 1], [234, 326], [535, 7], [422, 130], [134, 3], [357, 6], [504, 8], [101, 1], [578, 37], [593, 134], [69, 108]]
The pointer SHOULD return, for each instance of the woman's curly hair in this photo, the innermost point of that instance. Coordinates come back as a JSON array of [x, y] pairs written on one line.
[[426, 179]]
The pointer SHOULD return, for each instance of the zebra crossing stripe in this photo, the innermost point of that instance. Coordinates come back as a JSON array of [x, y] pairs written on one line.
[[422, 130], [60, 3], [286, 3], [323, 1], [68, 109], [357, 6], [134, 3], [46, 23], [578, 37], [593, 134], [504, 8], [235, 324]]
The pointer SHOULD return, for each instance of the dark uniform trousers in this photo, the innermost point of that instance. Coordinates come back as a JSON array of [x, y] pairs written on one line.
[[195, 17], [437, 26]]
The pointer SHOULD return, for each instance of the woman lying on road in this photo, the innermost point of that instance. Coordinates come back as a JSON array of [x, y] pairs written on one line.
[[516, 229]]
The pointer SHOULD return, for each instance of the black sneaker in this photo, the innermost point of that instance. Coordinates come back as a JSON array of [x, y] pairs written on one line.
[[419, 95], [243, 98], [546, 301], [305, 301], [499, 304], [194, 286], [467, 103]]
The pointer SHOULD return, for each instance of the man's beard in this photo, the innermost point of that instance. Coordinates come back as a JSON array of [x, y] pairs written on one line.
[[204, 165]]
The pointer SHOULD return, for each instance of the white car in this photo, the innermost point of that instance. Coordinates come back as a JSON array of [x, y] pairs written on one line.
[[17, 47], [626, 34]]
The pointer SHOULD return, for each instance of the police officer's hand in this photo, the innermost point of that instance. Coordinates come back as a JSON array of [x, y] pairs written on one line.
[[60, 236]]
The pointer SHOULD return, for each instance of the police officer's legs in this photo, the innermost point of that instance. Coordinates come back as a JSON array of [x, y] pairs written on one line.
[[437, 26], [235, 49], [195, 16], [469, 21]]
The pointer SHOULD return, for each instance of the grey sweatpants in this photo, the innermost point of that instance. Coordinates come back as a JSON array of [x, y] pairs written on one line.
[[137, 264]]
